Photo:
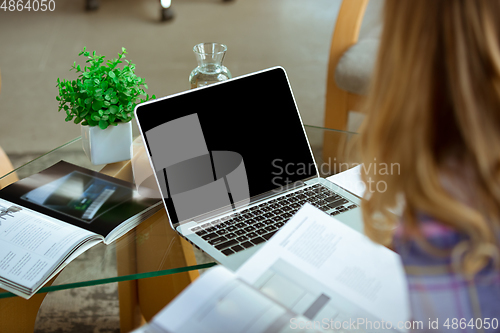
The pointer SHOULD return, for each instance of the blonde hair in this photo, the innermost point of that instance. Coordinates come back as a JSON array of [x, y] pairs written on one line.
[[434, 108]]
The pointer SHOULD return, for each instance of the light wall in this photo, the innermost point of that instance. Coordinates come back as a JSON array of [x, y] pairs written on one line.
[[38, 47]]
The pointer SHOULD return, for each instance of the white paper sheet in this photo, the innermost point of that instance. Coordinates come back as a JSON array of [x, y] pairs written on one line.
[[350, 180], [219, 302], [358, 276]]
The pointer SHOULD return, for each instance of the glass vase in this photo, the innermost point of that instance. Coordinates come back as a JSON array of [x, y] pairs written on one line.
[[210, 69]]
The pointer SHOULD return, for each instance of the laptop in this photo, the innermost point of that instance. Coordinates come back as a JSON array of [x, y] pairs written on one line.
[[233, 164]]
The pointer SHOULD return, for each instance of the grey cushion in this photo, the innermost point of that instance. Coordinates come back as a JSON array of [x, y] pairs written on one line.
[[355, 67]]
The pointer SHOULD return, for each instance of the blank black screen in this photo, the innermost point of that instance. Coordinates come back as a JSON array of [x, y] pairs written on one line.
[[255, 116]]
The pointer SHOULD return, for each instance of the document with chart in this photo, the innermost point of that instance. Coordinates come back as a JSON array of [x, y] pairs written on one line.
[[48, 219], [314, 275]]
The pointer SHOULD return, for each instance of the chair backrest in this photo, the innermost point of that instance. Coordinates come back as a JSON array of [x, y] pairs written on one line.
[[345, 34]]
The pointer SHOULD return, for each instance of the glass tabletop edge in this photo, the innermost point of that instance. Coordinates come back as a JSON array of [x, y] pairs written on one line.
[[41, 156], [123, 278]]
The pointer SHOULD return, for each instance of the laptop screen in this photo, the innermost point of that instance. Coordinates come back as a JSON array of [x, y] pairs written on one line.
[[220, 146]]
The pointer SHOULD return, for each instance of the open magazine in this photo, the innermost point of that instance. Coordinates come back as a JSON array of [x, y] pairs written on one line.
[[316, 275], [48, 219]]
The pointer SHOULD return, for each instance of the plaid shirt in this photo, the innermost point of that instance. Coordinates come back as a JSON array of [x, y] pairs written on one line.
[[439, 294]]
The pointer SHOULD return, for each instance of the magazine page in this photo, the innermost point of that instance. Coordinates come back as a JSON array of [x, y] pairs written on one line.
[[219, 302], [81, 197], [32, 247], [334, 276]]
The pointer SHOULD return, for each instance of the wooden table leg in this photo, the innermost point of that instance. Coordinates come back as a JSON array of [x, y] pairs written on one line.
[[155, 293], [130, 316], [18, 314], [159, 247], [151, 246]]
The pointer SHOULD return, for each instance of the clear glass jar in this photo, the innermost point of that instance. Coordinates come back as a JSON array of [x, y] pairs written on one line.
[[210, 69]]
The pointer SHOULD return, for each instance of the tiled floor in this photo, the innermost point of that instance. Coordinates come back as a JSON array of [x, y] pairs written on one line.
[[38, 47]]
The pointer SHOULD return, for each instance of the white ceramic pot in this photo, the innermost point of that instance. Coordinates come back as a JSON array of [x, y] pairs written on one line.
[[114, 144]]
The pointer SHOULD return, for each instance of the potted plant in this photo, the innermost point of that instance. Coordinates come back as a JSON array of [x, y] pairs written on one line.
[[102, 99]]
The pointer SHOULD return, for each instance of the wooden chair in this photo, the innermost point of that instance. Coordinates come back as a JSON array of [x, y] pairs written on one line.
[[6, 167], [5, 164], [350, 63]]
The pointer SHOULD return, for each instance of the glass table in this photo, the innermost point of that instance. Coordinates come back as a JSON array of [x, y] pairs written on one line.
[[151, 259]]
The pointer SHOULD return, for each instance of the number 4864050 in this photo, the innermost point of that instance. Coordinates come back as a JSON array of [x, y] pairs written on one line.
[[29, 5]]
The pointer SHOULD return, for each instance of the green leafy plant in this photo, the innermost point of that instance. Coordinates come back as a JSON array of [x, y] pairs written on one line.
[[103, 94]]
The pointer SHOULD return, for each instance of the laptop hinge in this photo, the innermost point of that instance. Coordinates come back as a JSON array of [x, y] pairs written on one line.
[[254, 200]]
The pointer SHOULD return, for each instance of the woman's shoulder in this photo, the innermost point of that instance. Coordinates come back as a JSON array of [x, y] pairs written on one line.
[[435, 250], [432, 242], [430, 264]]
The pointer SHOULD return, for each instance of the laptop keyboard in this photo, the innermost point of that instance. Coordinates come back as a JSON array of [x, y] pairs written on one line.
[[259, 223]]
